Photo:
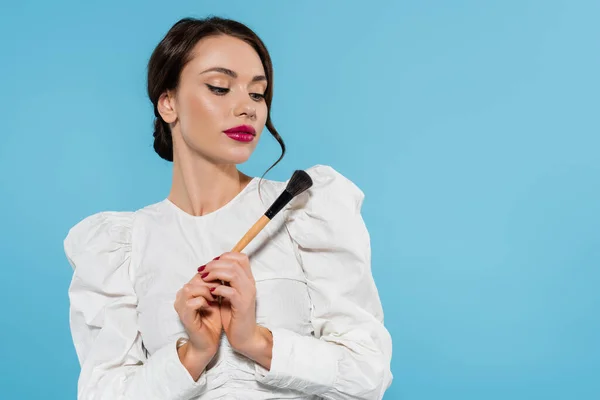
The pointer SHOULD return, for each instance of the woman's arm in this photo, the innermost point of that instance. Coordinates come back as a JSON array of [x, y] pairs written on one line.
[[349, 356], [103, 321], [194, 361]]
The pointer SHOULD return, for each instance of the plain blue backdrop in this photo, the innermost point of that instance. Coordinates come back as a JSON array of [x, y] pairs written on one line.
[[473, 127]]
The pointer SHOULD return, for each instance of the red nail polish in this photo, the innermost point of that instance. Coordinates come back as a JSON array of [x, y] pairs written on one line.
[[217, 258], [212, 289], [201, 268], [204, 275]]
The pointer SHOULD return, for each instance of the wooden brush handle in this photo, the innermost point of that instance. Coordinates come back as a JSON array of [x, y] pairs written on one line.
[[251, 234]]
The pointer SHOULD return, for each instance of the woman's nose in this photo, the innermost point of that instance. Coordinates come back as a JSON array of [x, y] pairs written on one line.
[[244, 107]]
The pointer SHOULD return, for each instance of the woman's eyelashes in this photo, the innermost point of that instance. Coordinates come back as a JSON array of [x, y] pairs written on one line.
[[221, 91]]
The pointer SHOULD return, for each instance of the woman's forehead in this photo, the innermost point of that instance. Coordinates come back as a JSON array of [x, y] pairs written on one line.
[[226, 52]]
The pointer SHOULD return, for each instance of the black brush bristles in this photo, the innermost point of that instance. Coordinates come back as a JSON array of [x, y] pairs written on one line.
[[299, 182]]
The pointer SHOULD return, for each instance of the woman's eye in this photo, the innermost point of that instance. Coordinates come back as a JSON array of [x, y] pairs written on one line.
[[257, 96], [218, 90]]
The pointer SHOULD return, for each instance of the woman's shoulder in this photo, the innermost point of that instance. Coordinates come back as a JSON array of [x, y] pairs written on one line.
[[328, 214], [331, 193], [331, 200], [328, 184], [115, 224], [102, 242], [105, 231]]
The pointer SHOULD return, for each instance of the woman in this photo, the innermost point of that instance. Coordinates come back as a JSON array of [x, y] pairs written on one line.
[[300, 316]]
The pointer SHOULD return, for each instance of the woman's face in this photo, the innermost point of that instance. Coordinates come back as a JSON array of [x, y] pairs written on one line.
[[219, 110]]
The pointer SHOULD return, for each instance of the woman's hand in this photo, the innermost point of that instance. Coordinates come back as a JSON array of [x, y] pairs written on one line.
[[201, 318], [238, 307]]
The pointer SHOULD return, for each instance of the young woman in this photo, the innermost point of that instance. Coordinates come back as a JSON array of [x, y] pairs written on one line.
[[300, 316]]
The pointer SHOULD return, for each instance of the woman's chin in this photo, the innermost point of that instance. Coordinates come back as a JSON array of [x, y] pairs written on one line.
[[237, 156]]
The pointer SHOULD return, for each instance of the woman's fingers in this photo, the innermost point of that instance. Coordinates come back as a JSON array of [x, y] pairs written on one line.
[[192, 297], [222, 273], [241, 260], [237, 262], [196, 303], [226, 271], [190, 290], [228, 293]]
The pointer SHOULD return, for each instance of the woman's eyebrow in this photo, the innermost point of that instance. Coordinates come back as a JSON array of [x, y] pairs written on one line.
[[233, 74]]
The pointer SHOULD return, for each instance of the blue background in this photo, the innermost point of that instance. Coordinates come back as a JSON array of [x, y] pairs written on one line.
[[473, 127]]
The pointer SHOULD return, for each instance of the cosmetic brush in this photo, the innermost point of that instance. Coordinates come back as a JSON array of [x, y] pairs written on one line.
[[298, 183]]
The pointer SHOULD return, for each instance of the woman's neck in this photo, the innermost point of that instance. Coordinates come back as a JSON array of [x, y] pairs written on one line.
[[200, 187]]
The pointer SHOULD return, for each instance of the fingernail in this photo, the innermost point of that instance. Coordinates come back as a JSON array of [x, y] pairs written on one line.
[[201, 268], [216, 258], [212, 289], [204, 275]]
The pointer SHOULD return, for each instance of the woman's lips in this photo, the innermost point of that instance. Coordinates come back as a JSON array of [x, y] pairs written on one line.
[[242, 133], [241, 137]]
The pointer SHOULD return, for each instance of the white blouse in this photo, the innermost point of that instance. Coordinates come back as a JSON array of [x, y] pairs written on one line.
[[315, 292]]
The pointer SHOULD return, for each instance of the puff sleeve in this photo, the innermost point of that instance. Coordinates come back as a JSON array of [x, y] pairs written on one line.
[[350, 353], [103, 319]]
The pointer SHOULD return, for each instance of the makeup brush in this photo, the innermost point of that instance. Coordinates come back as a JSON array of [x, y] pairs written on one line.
[[298, 183]]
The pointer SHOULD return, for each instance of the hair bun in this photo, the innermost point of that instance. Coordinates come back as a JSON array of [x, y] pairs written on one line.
[[163, 141]]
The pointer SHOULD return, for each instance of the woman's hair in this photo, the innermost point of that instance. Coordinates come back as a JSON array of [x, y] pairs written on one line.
[[175, 50]]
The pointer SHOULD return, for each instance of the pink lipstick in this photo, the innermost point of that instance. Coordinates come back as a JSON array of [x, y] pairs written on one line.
[[242, 133]]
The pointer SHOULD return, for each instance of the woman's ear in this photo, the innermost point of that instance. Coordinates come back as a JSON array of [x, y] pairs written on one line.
[[166, 107]]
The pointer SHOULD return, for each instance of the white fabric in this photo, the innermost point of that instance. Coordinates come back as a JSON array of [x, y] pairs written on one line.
[[315, 292]]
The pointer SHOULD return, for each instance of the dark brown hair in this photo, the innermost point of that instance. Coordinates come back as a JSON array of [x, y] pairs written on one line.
[[175, 50]]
